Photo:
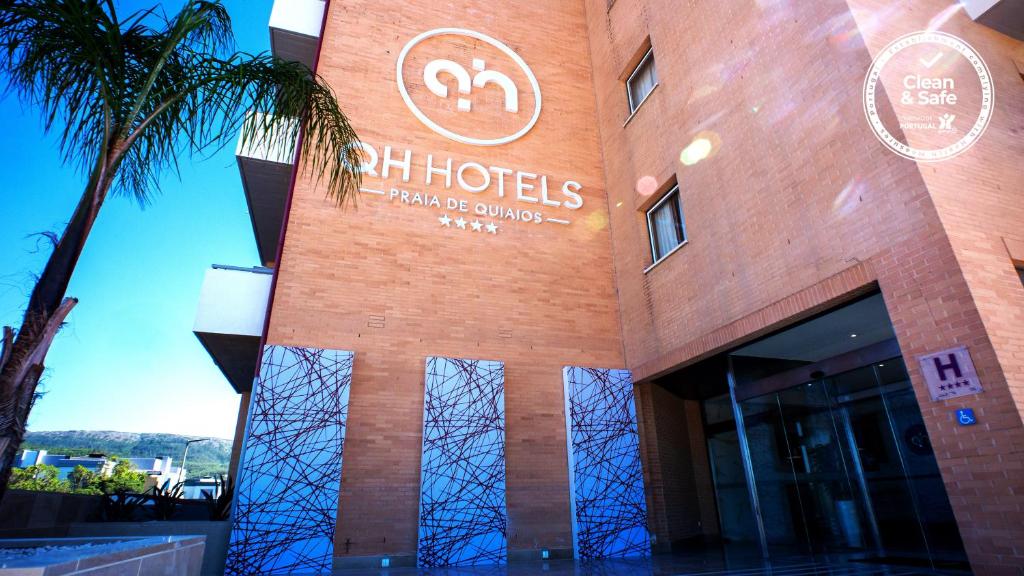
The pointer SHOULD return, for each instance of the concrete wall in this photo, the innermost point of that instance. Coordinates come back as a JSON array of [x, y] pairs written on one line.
[[23, 511]]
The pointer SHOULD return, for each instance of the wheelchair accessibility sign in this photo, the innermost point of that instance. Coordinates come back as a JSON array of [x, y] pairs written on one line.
[[965, 417]]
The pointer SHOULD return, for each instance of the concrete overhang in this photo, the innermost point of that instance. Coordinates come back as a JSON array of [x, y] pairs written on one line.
[[295, 29], [1006, 16], [265, 164], [230, 318]]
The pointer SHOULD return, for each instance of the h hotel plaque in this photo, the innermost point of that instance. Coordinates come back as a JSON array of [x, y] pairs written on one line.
[[950, 373]]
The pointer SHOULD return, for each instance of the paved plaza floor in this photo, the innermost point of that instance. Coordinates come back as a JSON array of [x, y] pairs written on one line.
[[684, 564]]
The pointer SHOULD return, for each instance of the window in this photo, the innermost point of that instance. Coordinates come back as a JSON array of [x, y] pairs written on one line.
[[641, 81], [665, 225]]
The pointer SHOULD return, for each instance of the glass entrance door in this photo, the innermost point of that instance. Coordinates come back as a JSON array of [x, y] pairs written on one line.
[[825, 481], [843, 464]]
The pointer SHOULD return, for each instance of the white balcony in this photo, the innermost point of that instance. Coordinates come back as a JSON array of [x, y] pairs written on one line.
[[295, 29], [230, 318], [1006, 16], [265, 163]]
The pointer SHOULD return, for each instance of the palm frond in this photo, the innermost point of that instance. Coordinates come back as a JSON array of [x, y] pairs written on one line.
[[134, 96], [56, 56], [295, 100]]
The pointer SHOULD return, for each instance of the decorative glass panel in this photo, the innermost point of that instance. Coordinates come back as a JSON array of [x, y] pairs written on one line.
[[462, 480], [286, 501], [609, 512]]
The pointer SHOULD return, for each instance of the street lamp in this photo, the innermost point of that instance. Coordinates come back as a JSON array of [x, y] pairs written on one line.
[[181, 467]]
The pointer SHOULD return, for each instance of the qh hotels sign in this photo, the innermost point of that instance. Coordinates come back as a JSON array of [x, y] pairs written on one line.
[[474, 90]]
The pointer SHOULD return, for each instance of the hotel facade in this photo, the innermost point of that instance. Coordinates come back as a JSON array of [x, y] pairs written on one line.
[[628, 276]]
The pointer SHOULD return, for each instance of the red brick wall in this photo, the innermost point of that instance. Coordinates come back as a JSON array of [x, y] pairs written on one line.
[[800, 207], [979, 203], [677, 474], [798, 190], [388, 282]]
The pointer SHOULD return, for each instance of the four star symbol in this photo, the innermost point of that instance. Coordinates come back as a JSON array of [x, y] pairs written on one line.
[[475, 225]]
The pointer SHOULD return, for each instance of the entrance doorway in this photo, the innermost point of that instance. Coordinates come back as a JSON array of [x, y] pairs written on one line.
[[818, 446]]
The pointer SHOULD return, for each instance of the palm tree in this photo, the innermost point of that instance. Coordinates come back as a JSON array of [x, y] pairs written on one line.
[[129, 97]]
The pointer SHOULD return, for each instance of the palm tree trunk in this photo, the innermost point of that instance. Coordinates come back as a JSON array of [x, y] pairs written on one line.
[[23, 353]]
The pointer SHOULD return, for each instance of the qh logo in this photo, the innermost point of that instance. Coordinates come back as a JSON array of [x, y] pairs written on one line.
[[468, 87]]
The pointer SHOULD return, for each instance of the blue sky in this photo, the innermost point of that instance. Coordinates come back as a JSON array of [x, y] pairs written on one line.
[[127, 359]]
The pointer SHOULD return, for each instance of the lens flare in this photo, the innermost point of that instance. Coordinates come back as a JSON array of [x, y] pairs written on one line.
[[647, 185], [942, 17], [703, 92], [849, 197], [841, 32], [704, 145], [695, 151], [873, 19], [596, 220], [843, 38]]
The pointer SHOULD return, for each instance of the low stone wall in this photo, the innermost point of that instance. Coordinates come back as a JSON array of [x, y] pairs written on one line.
[[26, 514], [216, 534], [168, 556]]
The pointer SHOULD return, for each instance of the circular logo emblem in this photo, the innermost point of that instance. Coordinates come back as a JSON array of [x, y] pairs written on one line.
[[932, 71], [468, 87], [916, 437]]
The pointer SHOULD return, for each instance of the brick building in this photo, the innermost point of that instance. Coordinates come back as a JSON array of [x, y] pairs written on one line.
[[556, 191]]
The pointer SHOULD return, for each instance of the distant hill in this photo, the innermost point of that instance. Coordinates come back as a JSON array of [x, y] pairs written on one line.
[[204, 458]]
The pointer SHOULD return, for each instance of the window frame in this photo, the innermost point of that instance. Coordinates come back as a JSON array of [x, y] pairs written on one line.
[[648, 56], [672, 192]]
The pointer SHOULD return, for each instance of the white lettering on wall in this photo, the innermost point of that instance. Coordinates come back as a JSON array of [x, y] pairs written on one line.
[[369, 166], [522, 186], [446, 171], [472, 177], [501, 172], [570, 189], [484, 175], [405, 164]]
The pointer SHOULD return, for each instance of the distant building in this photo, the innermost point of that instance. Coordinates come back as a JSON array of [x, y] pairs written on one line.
[[157, 470], [195, 487]]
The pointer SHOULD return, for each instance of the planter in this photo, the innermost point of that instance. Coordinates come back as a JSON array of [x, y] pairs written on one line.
[[216, 533], [168, 555]]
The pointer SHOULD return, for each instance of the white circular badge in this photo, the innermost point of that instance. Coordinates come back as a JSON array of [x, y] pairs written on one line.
[[932, 92]]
